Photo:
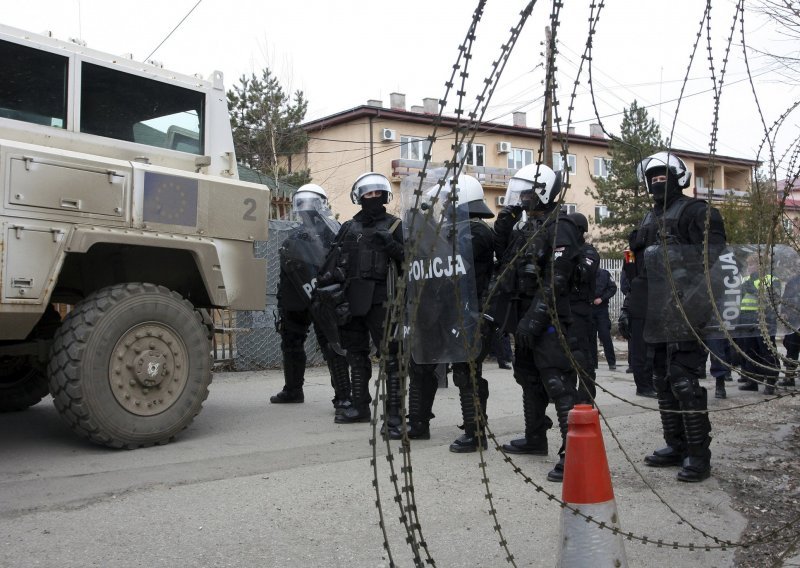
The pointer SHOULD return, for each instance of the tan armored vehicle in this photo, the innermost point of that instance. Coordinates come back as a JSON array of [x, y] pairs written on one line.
[[120, 199]]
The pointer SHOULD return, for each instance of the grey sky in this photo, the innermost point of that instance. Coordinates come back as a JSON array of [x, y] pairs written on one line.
[[343, 53]]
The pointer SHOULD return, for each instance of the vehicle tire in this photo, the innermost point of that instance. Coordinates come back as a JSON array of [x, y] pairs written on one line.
[[131, 365], [23, 379], [23, 383]]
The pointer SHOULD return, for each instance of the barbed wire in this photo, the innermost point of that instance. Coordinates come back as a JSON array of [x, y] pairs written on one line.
[[403, 492]]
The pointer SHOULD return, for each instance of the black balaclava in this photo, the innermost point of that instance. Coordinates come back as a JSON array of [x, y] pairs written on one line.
[[372, 208], [663, 193]]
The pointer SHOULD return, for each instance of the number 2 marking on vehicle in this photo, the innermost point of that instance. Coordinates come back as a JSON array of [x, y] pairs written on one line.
[[248, 215]]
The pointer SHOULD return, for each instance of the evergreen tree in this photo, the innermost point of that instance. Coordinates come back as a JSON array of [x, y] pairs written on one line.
[[626, 199], [266, 126], [756, 217]]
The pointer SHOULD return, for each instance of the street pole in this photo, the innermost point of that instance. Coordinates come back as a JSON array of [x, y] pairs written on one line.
[[548, 100]]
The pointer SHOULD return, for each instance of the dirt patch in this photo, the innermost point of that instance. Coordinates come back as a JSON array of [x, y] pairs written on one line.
[[760, 470]]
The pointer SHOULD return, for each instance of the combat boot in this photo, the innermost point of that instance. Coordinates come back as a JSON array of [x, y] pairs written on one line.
[[665, 457], [415, 431], [749, 385], [340, 380], [359, 411], [769, 388], [674, 435], [787, 382], [288, 397], [719, 391], [557, 473], [467, 443], [536, 445], [294, 367], [535, 440], [697, 462]]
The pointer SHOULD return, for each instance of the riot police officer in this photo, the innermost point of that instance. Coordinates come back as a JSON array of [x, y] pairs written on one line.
[[301, 256], [457, 247], [471, 198], [681, 222], [365, 261], [581, 301], [540, 257]]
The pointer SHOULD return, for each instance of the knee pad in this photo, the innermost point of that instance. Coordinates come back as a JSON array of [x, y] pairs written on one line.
[[685, 388], [461, 377], [660, 383], [556, 386]]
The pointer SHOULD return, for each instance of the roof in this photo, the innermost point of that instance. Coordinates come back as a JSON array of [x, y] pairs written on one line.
[[279, 190], [369, 111]]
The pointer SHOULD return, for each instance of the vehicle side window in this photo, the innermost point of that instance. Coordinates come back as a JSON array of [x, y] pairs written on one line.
[[142, 110], [33, 86]]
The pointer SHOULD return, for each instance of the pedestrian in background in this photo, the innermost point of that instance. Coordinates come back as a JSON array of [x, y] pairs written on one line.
[[604, 290]]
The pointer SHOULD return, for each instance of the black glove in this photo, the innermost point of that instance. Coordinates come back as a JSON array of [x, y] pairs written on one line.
[[535, 321], [383, 240], [624, 324]]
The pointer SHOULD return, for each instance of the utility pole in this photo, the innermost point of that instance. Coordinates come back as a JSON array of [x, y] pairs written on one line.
[[548, 100]]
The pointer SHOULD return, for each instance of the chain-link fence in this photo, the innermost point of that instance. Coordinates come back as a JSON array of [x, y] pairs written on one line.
[[258, 344]]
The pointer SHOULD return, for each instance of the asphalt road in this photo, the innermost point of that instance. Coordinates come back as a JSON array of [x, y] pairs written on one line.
[[255, 484]]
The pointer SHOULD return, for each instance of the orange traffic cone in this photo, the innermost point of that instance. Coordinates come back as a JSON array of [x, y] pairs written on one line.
[[587, 487]]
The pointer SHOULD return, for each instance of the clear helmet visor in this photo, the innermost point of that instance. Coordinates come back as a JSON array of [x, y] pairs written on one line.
[[520, 192]]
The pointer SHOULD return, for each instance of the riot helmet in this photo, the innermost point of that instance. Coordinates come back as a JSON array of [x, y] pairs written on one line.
[[534, 187], [580, 221], [663, 174], [309, 197], [310, 207], [468, 195], [369, 182]]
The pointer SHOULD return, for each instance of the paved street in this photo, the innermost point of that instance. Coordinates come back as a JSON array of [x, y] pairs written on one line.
[[254, 484]]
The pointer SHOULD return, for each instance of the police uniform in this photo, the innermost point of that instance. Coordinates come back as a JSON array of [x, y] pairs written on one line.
[[301, 254], [370, 247], [760, 359], [677, 366], [582, 332], [541, 366]]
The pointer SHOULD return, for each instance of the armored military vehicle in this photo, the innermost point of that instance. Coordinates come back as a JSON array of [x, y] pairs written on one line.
[[121, 205]]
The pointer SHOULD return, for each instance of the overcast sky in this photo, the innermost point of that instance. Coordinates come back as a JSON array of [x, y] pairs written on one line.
[[342, 53]]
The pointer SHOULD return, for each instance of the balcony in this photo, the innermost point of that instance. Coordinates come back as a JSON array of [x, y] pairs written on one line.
[[718, 194], [489, 177]]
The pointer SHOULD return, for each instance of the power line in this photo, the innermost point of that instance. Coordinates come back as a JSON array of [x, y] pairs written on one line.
[[173, 30]]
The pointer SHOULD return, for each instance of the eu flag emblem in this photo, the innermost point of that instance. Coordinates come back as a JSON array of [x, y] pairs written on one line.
[[171, 200]]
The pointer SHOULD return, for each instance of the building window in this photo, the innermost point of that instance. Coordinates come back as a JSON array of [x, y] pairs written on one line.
[[788, 226], [518, 158], [558, 162], [601, 212], [569, 208], [699, 183], [474, 154], [414, 148], [601, 167]]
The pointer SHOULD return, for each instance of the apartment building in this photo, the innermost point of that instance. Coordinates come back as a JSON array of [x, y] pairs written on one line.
[[393, 140]]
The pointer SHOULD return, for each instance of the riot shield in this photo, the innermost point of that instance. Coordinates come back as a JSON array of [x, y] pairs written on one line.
[[442, 311], [305, 247], [749, 289]]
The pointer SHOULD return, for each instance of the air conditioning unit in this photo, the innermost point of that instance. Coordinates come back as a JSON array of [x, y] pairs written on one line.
[[388, 135], [501, 200], [503, 147]]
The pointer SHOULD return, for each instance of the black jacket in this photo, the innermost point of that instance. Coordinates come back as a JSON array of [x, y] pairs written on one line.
[[605, 287]]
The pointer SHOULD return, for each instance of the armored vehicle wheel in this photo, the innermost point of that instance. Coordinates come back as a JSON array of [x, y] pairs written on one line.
[[131, 364], [23, 383]]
